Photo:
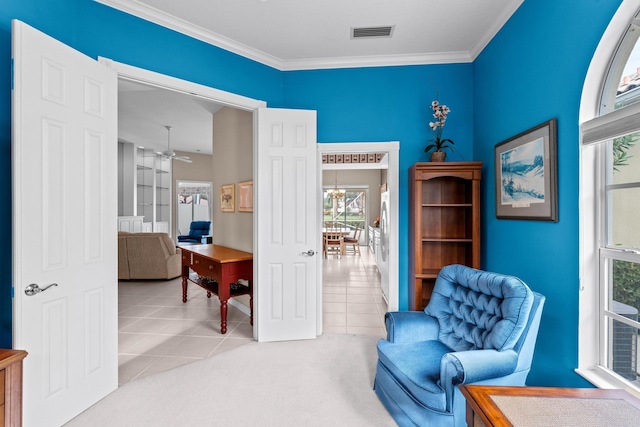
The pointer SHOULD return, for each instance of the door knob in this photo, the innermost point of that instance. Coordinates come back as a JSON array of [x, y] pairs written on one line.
[[310, 252], [33, 289]]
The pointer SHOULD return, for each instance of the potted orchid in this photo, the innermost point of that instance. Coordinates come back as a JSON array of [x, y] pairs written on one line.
[[439, 143]]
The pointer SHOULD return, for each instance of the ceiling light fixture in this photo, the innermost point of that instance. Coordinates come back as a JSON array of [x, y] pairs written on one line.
[[335, 193]]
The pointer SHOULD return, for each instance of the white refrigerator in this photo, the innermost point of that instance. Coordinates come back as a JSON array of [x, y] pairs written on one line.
[[382, 250]]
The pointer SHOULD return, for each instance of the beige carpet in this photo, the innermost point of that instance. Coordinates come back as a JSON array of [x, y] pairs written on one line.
[[322, 382]]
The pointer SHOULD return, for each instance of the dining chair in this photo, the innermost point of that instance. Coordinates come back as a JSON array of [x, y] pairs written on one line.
[[333, 243], [352, 243], [330, 226]]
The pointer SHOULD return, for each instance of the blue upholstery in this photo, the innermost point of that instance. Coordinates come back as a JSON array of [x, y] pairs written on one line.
[[197, 229], [479, 327]]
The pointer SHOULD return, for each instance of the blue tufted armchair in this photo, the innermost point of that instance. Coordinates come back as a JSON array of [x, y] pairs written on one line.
[[197, 229], [478, 328]]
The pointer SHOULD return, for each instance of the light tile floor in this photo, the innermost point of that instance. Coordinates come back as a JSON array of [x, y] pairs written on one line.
[[157, 331], [352, 301]]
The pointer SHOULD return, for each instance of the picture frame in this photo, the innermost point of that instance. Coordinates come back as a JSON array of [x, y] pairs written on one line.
[[526, 173], [227, 199], [245, 196]]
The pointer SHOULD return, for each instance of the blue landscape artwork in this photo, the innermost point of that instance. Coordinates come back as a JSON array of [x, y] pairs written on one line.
[[522, 174]]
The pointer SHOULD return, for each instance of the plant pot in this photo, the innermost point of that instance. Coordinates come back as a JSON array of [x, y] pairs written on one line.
[[438, 156]]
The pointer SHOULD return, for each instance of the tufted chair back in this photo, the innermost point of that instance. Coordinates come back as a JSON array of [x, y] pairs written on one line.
[[479, 310]]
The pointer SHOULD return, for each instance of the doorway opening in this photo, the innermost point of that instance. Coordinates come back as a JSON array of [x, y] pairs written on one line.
[[167, 314], [388, 267]]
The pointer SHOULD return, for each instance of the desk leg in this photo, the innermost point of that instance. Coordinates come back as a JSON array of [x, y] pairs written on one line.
[[470, 416], [223, 316], [251, 303], [251, 308], [184, 289]]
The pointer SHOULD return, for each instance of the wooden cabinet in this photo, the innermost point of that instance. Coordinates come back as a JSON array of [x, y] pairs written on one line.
[[444, 223], [11, 387], [131, 224]]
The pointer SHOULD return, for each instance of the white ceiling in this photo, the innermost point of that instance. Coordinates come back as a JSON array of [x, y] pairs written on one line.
[[304, 34], [144, 111], [301, 34]]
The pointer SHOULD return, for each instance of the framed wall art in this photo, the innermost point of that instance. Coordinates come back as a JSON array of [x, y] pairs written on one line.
[[245, 196], [527, 175], [227, 199]]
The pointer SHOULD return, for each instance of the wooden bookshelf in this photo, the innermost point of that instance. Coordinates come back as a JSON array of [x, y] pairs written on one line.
[[444, 223]]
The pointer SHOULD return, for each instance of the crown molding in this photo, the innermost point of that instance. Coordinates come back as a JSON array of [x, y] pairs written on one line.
[[140, 10], [491, 32], [376, 61]]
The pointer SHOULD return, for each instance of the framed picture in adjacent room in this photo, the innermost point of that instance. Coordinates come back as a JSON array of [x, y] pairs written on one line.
[[527, 175], [245, 196], [227, 199]]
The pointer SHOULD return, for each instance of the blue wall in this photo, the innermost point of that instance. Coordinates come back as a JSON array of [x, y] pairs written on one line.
[[388, 104], [532, 71], [97, 30]]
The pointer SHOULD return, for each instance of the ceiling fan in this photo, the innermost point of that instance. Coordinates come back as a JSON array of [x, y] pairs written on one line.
[[170, 154]]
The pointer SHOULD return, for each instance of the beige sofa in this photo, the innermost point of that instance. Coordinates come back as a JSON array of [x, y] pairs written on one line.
[[147, 256]]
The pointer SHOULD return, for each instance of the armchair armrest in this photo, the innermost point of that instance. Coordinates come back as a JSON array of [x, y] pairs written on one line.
[[464, 367], [406, 326]]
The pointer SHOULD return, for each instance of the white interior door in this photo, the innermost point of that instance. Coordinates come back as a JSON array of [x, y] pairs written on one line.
[[64, 146], [286, 199]]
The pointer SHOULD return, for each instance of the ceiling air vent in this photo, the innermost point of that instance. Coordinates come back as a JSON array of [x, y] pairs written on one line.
[[368, 32]]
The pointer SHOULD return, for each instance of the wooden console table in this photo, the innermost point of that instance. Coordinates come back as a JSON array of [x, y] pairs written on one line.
[[217, 269], [545, 406], [11, 387]]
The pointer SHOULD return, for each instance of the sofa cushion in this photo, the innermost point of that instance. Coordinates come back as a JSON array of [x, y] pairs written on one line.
[[164, 237], [478, 309], [148, 256], [123, 258], [416, 366]]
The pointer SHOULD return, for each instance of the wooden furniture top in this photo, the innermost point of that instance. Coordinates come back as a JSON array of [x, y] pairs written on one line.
[[220, 254], [479, 398], [446, 165], [430, 170], [9, 357]]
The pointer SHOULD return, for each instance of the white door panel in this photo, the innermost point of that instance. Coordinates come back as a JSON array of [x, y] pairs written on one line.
[[64, 209], [286, 194]]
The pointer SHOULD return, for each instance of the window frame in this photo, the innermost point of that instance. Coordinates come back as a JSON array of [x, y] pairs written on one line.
[[600, 122]]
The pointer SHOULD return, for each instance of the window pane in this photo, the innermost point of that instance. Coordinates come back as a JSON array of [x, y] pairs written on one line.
[[623, 350], [624, 159], [622, 86], [622, 211], [625, 288], [344, 208], [629, 87]]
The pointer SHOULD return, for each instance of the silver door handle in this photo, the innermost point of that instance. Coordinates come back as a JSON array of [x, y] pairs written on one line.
[[310, 252], [33, 289]]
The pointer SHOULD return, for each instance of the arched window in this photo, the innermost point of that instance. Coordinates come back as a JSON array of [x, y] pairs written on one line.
[[609, 350]]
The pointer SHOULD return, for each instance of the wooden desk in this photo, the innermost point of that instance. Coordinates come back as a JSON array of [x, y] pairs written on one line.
[[544, 406], [11, 387], [225, 266]]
